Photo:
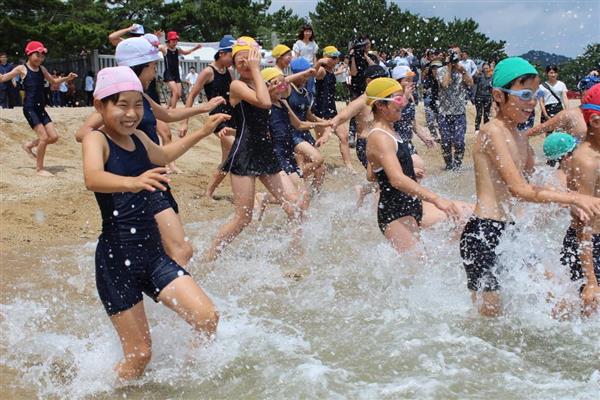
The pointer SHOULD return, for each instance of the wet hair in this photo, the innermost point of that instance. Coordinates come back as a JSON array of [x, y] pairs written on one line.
[[304, 28], [552, 68], [139, 68]]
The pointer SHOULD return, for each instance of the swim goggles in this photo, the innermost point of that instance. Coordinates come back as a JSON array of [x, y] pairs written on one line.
[[589, 106], [400, 99], [524, 94]]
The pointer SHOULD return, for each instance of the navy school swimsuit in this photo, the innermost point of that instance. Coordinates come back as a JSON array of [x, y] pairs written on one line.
[[324, 106], [35, 100], [282, 132], [130, 259], [219, 86], [172, 66], [300, 101], [160, 200], [404, 126], [394, 204], [571, 255], [252, 152]]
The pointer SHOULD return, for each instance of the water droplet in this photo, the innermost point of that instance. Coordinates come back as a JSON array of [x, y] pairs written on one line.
[[115, 213], [133, 231], [127, 263], [180, 273]]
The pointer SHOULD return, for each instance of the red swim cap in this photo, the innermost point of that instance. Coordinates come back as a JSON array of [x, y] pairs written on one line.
[[34, 46], [172, 35], [590, 104]]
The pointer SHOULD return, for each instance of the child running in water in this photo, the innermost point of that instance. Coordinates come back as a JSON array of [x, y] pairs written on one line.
[[171, 75], [33, 75], [252, 155], [400, 207], [119, 166], [503, 159]]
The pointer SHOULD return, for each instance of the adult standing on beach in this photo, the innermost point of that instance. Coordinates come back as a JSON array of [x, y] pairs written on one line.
[[453, 120], [307, 48], [483, 96], [554, 92]]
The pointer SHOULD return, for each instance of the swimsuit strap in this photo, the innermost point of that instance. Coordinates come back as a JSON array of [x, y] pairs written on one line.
[[396, 140]]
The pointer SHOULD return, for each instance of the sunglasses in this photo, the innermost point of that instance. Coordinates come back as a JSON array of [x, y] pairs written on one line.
[[524, 94], [400, 99]]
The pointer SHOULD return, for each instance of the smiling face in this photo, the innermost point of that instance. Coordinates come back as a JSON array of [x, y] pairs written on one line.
[[284, 61], [36, 58], [278, 88], [390, 111], [121, 116], [513, 107], [552, 75]]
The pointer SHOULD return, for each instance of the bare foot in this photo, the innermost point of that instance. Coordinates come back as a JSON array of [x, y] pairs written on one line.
[[28, 150], [260, 201], [351, 169], [210, 196], [43, 172], [360, 198]]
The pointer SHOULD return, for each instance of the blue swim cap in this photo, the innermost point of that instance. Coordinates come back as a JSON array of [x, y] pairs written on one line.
[[299, 64], [587, 82], [226, 43]]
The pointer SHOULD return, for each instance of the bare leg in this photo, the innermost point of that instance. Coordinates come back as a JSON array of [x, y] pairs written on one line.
[[310, 158], [172, 236], [164, 133], [362, 191], [219, 175], [243, 188], [190, 302], [175, 88], [403, 233], [46, 135], [489, 304], [132, 328], [342, 133]]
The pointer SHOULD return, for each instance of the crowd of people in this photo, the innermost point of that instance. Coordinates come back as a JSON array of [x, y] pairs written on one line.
[[272, 124]]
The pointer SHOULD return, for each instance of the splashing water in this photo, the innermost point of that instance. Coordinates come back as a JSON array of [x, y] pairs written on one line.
[[359, 321]]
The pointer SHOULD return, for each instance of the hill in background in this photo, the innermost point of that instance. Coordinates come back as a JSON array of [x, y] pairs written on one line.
[[543, 58]]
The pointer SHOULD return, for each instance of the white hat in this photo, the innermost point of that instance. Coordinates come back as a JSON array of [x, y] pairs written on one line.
[[137, 29], [135, 51], [401, 71]]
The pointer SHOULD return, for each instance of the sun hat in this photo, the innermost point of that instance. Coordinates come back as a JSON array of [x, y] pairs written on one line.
[[376, 71], [115, 80], [137, 29], [382, 87], [402, 71], [587, 82], [280, 50], [299, 64], [152, 38], [136, 51], [559, 144], [510, 69], [34, 46], [270, 73], [226, 43], [590, 104]]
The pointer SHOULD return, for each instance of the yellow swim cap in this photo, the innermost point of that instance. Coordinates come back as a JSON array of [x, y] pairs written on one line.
[[243, 43], [331, 51], [382, 87], [270, 73], [280, 50]]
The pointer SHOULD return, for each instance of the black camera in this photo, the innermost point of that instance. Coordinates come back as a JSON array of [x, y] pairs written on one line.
[[453, 57]]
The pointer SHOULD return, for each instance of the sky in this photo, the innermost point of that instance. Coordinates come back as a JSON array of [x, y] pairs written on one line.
[[561, 27]]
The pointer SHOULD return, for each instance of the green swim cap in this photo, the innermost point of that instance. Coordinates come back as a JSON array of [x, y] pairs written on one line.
[[558, 144], [510, 69]]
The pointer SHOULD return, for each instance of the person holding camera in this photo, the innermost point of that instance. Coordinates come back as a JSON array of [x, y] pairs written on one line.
[[452, 119], [359, 61]]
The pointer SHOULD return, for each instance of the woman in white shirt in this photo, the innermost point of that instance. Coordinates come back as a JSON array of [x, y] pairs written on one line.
[[554, 92], [307, 48], [89, 89]]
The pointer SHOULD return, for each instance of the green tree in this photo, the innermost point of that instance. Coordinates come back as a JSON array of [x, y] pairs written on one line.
[[575, 69]]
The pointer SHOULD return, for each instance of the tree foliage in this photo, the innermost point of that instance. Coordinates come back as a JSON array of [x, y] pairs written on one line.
[[572, 71], [68, 26]]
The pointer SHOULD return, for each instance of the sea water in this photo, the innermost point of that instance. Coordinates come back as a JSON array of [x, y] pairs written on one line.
[[350, 319]]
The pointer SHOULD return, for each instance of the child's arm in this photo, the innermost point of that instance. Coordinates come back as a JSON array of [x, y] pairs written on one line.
[[92, 123], [560, 122], [186, 52], [500, 156], [116, 37], [19, 70], [95, 154], [543, 107], [51, 79], [298, 123], [320, 67], [423, 134], [293, 78], [350, 111], [177, 114], [258, 97], [162, 155], [207, 75]]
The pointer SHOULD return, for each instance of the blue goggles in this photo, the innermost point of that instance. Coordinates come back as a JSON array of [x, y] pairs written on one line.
[[524, 94]]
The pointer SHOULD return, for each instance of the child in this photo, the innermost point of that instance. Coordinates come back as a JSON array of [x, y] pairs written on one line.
[[118, 165], [215, 80], [171, 75], [400, 208], [502, 160], [581, 245], [33, 74], [252, 155]]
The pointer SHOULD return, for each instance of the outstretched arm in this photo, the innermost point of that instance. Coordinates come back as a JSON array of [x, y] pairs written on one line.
[[20, 70], [186, 52], [117, 36], [178, 114], [54, 80]]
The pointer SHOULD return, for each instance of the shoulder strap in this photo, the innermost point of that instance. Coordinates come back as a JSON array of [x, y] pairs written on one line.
[[396, 141], [545, 84]]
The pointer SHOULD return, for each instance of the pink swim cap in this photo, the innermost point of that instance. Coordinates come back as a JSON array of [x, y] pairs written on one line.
[[115, 80]]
